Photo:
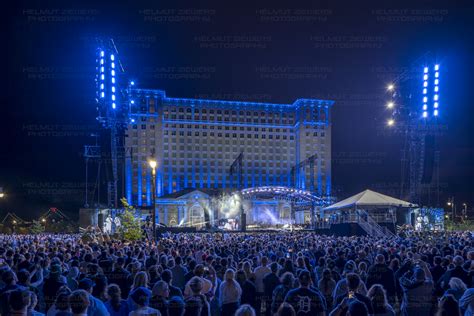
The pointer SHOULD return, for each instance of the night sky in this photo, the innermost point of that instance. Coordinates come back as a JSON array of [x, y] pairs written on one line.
[[347, 51]]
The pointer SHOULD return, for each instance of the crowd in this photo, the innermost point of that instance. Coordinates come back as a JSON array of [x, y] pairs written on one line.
[[242, 274]]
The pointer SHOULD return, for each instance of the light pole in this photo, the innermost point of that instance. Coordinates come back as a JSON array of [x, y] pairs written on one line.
[[152, 163], [453, 210]]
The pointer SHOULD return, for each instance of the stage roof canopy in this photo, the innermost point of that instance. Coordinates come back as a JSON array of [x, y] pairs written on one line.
[[369, 199]]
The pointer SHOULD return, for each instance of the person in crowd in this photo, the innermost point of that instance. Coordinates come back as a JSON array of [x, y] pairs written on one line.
[[159, 298], [417, 285], [179, 273], [456, 288], [32, 306], [342, 286], [305, 300], [285, 309], [230, 293], [121, 276], [176, 306], [379, 301], [61, 304], [245, 310], [380, 273], [52, 283], [249, 291], [260, 272], [456, 272], [196, 304], [141, 298], [466, 302], [343, 301], [326, 286], [115, 304], [270, 282], [278, 296], [79, 302], [19, 300], [448, 306], [167, 276], [96, 307], [206, 284]]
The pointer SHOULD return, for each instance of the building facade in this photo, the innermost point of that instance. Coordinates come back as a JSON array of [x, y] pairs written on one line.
[[195, 141]]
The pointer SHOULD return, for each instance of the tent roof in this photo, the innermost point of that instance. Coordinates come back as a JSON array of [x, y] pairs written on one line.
[[369, 198]]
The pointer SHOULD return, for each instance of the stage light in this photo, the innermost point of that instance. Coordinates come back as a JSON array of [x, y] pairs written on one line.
[[425, 84], [102, 77], [112, 65], [113, 105], [436, 67], [436, 105], [102, 94], [425, 114], [425, 91], [112, 72], [102, 54], [133, 120], [113, 97], [113, 89], [132, 83], [436, 74], [425, 107], [101, 61], [436, 81], [425, 70], [390, 105], [425, 99], [435, 113], [436, 88], [425, 77], [102, 69], [113, 80], [435, 97], [390, 122], [112, 57], [101, 86], [132, 102]]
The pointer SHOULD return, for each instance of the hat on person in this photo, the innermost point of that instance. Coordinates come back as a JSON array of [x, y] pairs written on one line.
[[86, 284], [55, 270], [419, 274], [140, 295]]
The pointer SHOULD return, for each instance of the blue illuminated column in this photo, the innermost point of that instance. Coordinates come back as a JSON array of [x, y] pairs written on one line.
[[165, 215], [139, 183], [128, 178], [436, 91], [425, 92], [112, 82]]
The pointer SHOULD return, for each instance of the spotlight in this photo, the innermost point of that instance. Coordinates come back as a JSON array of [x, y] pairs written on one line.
[[425, 77], [390, 122], [425, 114], [435, 113], [436, 105], [436, 67], [436, 74], [425, 91], [102, 54], [425, 99], [390, 87], [435, 97], [425, 107], [113, 105], [425, 70], [132, 83], [102, 94], [436, 81], [425, 84], [132, 102], [112, 57], [390, 105]]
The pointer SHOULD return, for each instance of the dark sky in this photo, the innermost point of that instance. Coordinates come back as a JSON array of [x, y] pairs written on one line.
[[271, 52]]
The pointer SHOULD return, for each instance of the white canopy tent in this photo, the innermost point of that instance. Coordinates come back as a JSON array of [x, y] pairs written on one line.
[[369, 199]]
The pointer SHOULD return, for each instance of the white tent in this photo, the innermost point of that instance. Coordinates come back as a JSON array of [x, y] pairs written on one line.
[[369, 199]]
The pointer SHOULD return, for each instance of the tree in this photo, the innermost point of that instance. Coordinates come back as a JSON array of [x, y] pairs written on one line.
[[36, 227], [130, 227]]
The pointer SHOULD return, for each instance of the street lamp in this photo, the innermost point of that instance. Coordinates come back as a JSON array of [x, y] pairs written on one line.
[[152, 164]]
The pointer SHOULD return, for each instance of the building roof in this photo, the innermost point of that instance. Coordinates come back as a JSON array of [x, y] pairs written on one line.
[[369, 198], [186, 191]]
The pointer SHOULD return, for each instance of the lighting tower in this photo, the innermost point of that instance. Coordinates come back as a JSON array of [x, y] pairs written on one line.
[[414, 107], [113, 115]]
